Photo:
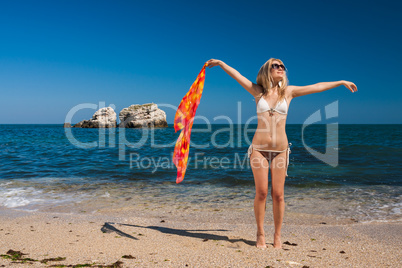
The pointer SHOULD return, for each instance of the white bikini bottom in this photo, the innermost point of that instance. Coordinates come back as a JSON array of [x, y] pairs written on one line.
[[271, 154]]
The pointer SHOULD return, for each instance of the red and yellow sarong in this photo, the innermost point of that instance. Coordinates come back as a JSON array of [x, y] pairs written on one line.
[[184, 119]]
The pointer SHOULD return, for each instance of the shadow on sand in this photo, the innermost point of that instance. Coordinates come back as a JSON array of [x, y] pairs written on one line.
[[201, 234]]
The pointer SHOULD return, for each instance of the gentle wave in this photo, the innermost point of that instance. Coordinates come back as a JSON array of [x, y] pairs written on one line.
[[364, 203]]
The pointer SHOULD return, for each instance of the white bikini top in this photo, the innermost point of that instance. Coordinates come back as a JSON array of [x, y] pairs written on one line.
[[281, 107]]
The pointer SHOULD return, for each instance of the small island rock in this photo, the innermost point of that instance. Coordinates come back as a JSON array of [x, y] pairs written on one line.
[[142, 116], [103, 118]]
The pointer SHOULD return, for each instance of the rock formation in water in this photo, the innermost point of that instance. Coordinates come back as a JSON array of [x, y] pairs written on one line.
[[103, 118], [142, 116]]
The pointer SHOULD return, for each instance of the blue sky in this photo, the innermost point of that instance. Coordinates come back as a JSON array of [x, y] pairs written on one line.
[[55, 55]]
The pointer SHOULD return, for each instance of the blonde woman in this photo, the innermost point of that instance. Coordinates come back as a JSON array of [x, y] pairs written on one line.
[[269, 148]]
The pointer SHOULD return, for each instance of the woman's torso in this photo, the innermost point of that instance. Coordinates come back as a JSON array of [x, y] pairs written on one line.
[[270, 133]]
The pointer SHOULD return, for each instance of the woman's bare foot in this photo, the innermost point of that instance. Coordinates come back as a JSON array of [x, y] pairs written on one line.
[[261, 240], [277, 241]]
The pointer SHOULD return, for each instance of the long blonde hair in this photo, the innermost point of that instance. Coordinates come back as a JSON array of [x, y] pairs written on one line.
[[266, 81]]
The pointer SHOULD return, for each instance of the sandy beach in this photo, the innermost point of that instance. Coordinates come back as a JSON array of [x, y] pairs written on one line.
[[181, 237]]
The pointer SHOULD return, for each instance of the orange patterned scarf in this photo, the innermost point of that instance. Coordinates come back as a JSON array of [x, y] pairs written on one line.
[[184, 118]]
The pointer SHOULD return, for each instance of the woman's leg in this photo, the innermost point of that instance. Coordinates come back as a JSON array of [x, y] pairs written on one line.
[[259, 165], [278, 175]]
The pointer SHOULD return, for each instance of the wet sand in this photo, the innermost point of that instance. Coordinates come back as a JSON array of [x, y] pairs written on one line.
[[181, 237]]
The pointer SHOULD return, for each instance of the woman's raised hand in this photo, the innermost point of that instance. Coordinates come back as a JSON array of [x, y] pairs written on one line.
[[351, 86], [213, 62]]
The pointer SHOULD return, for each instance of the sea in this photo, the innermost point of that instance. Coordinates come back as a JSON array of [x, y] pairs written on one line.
[[343, 171]]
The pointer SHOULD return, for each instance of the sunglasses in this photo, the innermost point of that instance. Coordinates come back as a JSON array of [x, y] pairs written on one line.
[[276, 66]]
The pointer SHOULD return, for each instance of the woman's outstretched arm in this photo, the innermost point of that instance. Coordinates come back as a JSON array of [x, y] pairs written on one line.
[[320, 87], [253, 88]]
